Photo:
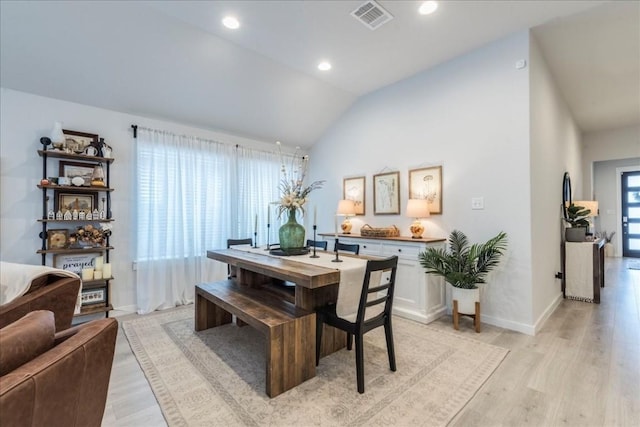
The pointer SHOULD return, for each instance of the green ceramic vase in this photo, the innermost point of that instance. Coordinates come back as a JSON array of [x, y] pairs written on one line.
[[291, 233]]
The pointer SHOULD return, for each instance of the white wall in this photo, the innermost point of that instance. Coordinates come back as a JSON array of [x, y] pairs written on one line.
[[614, 144], [24, 118], [606, 183], [604, 151], [470, 115], [555, 149]]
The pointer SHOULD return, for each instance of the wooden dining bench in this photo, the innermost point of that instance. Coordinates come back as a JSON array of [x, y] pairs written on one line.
[[289, 330]]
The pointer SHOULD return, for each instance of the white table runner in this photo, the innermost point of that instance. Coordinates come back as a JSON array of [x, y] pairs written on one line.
[[351, 275]]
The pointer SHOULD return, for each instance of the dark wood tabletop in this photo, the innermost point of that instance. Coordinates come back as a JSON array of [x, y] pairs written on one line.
[[284, 268]]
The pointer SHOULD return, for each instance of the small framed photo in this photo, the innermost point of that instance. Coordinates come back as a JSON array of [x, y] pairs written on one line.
[[354, 189], [426, 183], [386, 193], [57, 239], [77, 169], [82, 202], [93, 296], [77, 142]]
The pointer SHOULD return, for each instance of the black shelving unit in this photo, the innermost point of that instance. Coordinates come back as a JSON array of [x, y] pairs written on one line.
[[49, 189]]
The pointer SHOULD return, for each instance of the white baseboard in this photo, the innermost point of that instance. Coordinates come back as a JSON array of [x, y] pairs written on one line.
[[419, 316], [508, 324], [120, 311], [547, 313]]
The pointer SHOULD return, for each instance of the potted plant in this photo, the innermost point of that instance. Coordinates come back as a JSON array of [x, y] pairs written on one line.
[[577, 219], [464, 266]]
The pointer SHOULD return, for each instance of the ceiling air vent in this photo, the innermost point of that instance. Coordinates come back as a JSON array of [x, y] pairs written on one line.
[[371, 14]]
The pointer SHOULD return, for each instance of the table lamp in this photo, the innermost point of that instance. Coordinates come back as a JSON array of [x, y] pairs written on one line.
[[417, 208], [346, 208]]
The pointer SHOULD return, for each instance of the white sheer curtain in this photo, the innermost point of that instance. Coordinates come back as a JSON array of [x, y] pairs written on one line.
[[183, 208], [192, 195], [257, 188]]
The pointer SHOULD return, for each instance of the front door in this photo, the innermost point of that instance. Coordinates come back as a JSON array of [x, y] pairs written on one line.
[[631, 214]]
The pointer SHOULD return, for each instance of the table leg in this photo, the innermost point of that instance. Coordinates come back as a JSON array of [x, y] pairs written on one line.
[[333, 339]]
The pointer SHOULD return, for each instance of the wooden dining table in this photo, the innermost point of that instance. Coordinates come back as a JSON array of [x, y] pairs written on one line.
[[312, 286]]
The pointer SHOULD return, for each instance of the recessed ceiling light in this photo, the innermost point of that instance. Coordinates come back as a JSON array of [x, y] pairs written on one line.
[[324, 66], [428, 7], [231, 22]]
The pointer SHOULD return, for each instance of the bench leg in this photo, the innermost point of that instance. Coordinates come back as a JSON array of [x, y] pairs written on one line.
[[291, 357], [209, 315]]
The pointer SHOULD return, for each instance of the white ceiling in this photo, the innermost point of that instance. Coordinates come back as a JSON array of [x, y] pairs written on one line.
[[175, 61]]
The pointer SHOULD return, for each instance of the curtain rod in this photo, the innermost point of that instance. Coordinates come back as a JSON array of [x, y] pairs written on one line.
[[135, 135]]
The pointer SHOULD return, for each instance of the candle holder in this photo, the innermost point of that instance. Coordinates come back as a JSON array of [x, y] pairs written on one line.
[[314, 241], [268, 235], [336, 259], [255, 239]]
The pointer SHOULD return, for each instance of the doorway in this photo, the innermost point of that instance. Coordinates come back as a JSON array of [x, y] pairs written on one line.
[[630, 197]]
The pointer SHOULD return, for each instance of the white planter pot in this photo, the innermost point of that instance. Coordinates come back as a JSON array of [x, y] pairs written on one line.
[[609, 250], [466, 298]]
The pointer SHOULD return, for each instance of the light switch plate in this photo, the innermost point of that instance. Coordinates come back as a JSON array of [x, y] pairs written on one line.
[[477, 203]]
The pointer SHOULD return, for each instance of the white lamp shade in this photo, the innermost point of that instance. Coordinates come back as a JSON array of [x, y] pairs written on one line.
[[418, 208], [592, 205], [346, 208]]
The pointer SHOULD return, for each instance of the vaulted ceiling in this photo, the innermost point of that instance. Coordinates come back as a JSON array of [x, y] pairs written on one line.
[[174, 60]]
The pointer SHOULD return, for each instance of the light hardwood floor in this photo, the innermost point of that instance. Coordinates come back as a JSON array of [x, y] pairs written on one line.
[[582, 369]]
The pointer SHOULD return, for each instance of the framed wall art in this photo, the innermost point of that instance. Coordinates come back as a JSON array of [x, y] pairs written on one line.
[[354, 189], [94, 296], [426, 183], [77, 142], [386, 193], [57, 239], [74, 262], [82, 202], [76, 169]]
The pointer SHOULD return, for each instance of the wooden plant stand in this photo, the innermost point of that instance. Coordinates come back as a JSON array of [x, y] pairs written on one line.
[[475, 317]]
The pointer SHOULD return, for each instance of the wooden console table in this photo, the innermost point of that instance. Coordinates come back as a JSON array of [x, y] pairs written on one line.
[[583, 265]]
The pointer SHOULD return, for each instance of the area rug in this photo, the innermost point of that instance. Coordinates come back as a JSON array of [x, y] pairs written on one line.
[[634, 265], [217, 376]]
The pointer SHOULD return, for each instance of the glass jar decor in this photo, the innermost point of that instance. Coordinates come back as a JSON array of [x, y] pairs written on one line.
[[291, 234]]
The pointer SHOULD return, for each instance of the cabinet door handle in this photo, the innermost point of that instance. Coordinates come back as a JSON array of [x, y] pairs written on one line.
[[399, 250], [364, 246]]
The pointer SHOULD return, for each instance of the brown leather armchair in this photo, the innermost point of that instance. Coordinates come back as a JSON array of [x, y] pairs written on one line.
[[50, 292], [55, 379]]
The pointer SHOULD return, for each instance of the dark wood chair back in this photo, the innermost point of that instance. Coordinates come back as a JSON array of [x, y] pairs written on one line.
[[231, 272], [322, 244], [237, 242], [347, 247]]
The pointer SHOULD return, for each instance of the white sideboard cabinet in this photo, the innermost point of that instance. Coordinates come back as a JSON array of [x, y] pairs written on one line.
[[418, 296]]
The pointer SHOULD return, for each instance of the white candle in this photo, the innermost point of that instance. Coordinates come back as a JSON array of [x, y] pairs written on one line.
[[336, 226], [315, 215], [87, 274], [97, 275], [255, 224], [106, 270], [268, 214], [98, 263]]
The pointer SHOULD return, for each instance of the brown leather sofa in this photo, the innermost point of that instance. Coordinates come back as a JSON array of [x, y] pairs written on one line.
[[53, 293], [55, 379]]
